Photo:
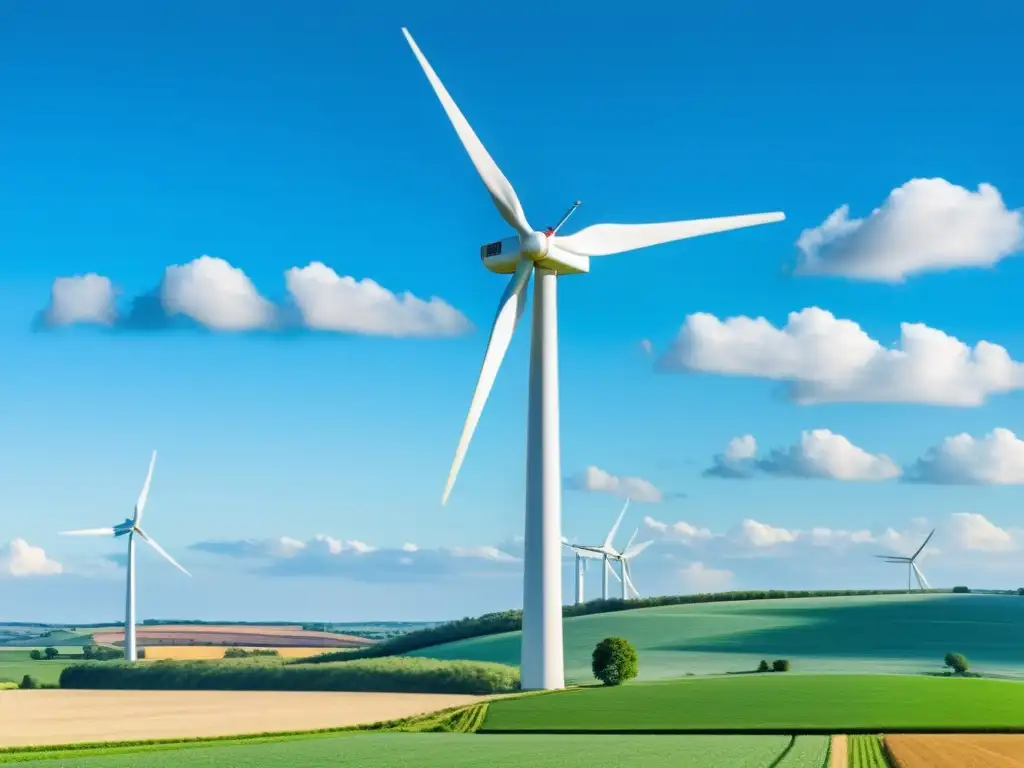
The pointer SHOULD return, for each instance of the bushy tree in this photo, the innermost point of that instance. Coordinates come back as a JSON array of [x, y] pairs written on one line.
[[51, 652], [29, 682], [961, 590], [615, 661], [36, 654], [780, 665], [957, 662], [763, 666]]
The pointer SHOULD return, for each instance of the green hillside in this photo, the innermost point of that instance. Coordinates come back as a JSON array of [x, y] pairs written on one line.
[[877, 633], [767, 702]]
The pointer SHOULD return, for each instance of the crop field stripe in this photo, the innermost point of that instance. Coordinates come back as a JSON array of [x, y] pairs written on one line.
[[867, 751]]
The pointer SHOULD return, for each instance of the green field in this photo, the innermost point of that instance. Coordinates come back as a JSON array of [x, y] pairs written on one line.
[[865, 751], [15, 664], [871, 634], [472, 751], [831, 704]]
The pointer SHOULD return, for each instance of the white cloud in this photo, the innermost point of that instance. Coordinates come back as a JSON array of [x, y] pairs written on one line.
[[216, 295], [596, 480], [831, 360], [483, 553], [737, 461], [828, 537], [21, 559], [330, 302], [697, 577], [995, 459], [927, 225], [972, 531], [678, 531], [85, 299], [763, 535], [409, 547], [740, 448], [646, 346]]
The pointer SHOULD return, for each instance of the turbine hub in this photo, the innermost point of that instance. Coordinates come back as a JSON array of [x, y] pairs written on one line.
[[534, 246]]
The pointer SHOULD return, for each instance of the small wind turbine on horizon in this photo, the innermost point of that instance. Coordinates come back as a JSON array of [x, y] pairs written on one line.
[[911, 562], [549, 255], [624, 557], [130, 527], [605, 551]]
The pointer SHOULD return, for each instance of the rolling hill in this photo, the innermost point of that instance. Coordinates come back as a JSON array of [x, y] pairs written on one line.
[[877, 633]]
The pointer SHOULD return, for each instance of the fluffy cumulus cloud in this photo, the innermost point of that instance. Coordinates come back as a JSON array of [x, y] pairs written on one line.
[[827, 359], [678, 531], [20, 559], [927, 225], [972, 531], [213, 294], [596, 480], [324, 555], [697, 577], [762, 534], [995, 459], [820, 453]]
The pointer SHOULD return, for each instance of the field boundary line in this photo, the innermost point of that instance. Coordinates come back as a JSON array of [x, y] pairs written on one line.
[[865, 731], [784, 753]]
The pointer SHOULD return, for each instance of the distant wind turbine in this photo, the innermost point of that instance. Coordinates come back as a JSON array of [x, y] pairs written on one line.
[[606, 552], [129, 528], [911, 562], [624, 557]]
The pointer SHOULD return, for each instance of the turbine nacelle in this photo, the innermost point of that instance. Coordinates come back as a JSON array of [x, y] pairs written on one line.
[[124, 528], [503, 256]]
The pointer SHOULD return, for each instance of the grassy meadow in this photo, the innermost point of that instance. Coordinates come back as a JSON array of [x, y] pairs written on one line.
[[15, 663], [835, 635], [770, 702]]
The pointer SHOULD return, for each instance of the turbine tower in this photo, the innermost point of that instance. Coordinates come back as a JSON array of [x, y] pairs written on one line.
[[550, 255], [582, 557], [624, 557], [911, 562], [130, 528]]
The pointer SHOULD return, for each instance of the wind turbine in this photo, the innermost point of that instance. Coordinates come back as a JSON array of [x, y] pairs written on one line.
[[550, 255], [606, 552], [912, 569], [130, 528], [624, 557], [583, 557]]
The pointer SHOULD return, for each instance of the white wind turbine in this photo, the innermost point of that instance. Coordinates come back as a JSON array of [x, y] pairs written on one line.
[[583, 557], [624, 557], [605, 551], [130, 528], [551, 255], [911, 562]]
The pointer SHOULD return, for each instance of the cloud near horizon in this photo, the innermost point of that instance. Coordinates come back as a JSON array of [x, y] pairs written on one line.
[[824, 359], [212, 294], [20, 559], [926, 225]]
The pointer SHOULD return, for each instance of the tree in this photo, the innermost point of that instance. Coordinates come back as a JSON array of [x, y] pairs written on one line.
[[780, 665], [36, 654], [957, 662], [88, 651], [763, 666], [614, 661], [28, 682], [51, 652]]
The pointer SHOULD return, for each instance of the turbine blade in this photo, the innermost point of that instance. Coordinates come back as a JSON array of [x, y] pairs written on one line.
[[502, 193], [629, 579], [161, 550], [606, 239], [919, 549], [144, 494], [920, 578], [630, 542], [89, 532], [615, 528], [636, 550], [510, 309], [608, 565], [894, 559]]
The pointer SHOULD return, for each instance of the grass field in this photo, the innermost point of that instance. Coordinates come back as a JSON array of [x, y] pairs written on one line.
[[470, 751], [831, 704], [872, 634], [15, 664], [189, 652]]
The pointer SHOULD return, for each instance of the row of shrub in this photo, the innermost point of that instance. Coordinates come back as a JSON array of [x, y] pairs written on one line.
[[244, 653], [511, 621], [397, 675], [89, 653], [779, 665]]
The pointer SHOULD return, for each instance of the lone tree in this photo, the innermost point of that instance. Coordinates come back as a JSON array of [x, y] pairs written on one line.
[[51, 652], [615, 661], [957, 662], [764, 666], [28, 683], [36, 654]]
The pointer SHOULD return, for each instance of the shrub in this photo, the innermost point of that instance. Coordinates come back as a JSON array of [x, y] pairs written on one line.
[[957, 662], [28, 682], [6, 685], [36, 654], [397, 675], [51, 652], [763, 666], [242, 653], [140, 653], [780, 665], [961, 590], [1020, 590], [614, 661]]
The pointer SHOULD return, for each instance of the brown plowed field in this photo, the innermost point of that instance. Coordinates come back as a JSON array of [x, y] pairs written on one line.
[[987, 750], [251, 636]]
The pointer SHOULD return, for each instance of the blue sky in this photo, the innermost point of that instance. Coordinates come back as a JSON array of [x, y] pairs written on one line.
[[282, 134]]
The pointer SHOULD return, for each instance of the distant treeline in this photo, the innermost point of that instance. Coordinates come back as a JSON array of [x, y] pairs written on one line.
[[396, 675], [512, 620]]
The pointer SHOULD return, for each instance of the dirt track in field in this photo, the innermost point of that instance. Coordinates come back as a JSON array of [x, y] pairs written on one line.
[[69, 716], [837, 757], [989, 750]]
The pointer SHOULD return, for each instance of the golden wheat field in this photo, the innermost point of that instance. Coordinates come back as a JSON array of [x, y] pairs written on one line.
[[987, 750], [190, 652], [250, 636], [71, 716]]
